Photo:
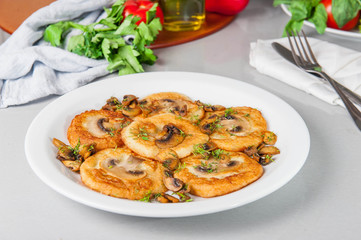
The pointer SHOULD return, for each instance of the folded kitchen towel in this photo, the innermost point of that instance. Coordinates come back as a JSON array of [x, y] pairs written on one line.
[[342, 64], [31, 68]]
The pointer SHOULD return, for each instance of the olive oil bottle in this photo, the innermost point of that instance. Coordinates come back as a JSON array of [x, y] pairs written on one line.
[[183, 15]]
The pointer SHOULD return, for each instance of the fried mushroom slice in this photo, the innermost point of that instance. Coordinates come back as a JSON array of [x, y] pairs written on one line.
[[171, 136], [120, 173], [172, 133], [209, 107], [171, 102], [101, 127], [72, 158], [112, 104], [130, 106], [215, 177], [234, 129]]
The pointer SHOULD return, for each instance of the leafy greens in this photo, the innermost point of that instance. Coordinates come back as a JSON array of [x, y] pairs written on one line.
[[314, 11], [105, 39]]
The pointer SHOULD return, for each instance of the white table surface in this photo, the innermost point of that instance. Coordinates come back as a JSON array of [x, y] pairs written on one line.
[[323, 201]]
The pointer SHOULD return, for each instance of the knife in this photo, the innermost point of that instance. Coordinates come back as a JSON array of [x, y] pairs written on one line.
[[287, 54]]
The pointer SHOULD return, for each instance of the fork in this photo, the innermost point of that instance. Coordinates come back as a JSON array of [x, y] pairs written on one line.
[[306, 60]]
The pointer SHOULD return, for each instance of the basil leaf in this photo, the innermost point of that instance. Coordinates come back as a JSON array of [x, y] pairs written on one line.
[[345, 10], [299, 10], [319, 18], [292, 26]]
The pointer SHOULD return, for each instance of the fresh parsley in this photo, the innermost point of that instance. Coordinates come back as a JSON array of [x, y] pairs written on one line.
[[104, 39]]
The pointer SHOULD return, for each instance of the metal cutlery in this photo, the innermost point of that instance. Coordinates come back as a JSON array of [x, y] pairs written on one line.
[[287, 54], [305, 59]]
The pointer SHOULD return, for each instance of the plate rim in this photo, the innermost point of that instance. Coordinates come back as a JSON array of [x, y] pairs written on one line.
[[96, 204]]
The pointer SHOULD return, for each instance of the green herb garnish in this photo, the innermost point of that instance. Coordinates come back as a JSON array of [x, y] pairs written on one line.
[[104, 39], [141, 134]]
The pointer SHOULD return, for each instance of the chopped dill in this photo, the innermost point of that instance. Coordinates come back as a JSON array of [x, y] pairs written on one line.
[[199, 150], [180, 167], [148, 197], [141, 134], [217, 153], [229, 111]]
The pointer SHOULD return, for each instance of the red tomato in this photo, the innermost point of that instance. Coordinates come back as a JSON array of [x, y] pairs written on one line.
[[226, 7], [331, 22], [139, 8]]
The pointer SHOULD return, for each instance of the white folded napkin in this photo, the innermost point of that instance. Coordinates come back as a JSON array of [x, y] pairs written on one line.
[[31, 68], [342, 64]]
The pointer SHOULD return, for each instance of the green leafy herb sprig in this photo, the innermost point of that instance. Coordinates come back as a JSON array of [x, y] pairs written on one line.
[[104, 39], [314, 11]]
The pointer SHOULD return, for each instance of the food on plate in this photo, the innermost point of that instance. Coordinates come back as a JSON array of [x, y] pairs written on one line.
[[152, 137], [121, 173], [166, 146], [171, 102], [235, 128], [218, 174], [73, 157], [344, 14], [121, 40], [101, 128], [129, 106]]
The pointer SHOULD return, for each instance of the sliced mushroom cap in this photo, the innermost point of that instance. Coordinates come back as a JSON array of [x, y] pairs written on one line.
[[129, 168], [213, 108], [69, 157], [269, 150], [73, 165], [235, 126], [182, 111], [112, 104], [66, 153], [132, 112], [162, 199], [205, 168], [131, 107], [210, 108], [178, 107], [207, 126], [170, 137], [171, 198], [265, 160], [210, 167], [99, 125], [269, 138], [57, 143], [251, 150], [129, 99], [86, 150], [209, 146], [173, 184]]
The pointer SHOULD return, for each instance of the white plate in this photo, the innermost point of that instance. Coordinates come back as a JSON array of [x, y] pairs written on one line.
[[54, 119], [354, 34]]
